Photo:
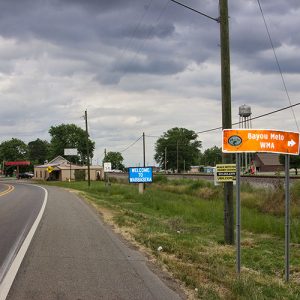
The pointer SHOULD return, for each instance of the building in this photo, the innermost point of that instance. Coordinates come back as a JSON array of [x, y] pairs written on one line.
[[267, 162], [194, 169], [61, 169]]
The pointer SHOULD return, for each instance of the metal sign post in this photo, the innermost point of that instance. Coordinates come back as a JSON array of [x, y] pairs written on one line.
[[140, 176], [238, 213], [106, 168], [287, 217], [262, 140], [70, 152]]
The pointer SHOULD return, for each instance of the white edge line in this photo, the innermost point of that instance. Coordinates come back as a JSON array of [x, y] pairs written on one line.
[[13, 270]]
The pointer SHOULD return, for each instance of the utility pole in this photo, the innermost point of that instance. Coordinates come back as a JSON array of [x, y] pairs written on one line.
[[87, 147], [165, 160], [143, 185], [104, 160], [177, 157], [144, 151], [226, 118]]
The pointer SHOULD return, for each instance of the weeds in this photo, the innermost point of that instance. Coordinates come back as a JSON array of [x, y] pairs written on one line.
[[186, 219]]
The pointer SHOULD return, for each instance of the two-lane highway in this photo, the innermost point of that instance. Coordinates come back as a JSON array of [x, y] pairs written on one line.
[[19, 207], [73, 255]]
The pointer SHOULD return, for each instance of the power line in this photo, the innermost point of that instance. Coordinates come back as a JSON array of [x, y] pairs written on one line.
[[135, 30], [196, 11], [132, 144], [277, 62], [217, 128], [148, 35], [236, 123], [257, 117]]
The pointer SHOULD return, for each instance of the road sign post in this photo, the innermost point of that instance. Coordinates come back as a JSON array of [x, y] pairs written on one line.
[[238, 213], [140, 176], [262, 140], [70, 152], [106, 168], [287, 217]]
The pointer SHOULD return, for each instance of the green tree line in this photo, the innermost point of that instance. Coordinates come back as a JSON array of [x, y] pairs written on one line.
[[38, 151]]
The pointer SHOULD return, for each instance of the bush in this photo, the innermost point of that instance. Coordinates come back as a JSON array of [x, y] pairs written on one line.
[[160, 179], [199, 184], [79, 175], [295, 191]]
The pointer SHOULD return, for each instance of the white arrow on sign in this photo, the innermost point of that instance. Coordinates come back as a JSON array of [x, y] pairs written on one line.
[[291, 143]]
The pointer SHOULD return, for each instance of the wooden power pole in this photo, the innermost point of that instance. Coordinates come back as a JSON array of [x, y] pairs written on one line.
[[226, 118], [87, 148]]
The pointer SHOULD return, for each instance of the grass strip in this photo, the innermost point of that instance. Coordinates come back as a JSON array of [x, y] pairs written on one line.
[[185, 219]]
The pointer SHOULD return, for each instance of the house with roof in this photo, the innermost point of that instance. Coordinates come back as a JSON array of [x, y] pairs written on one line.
[[61, 169], [267, 162]]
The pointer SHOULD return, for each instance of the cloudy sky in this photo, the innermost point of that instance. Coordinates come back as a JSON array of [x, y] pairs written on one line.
[[142, 66]]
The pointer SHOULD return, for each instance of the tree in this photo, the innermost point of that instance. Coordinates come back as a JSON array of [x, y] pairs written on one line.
[[294, 161], [13, 150], [70, 136], [38, 151], [181, 146], [116, 160], [211, 156]]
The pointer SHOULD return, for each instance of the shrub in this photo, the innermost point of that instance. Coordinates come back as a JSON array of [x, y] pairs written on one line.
[[295, 192], [160, 179], [79, 175]]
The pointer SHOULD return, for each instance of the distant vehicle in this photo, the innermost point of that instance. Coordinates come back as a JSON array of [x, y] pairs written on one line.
[[25, 175]]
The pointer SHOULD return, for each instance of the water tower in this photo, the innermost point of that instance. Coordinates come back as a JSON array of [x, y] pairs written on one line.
[[245, 122], [245, 116]]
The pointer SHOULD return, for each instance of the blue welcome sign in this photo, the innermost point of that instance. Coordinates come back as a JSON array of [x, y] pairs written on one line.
[[140, 175]]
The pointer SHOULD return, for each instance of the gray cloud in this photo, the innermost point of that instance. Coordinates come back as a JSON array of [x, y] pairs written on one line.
[[139, 65]]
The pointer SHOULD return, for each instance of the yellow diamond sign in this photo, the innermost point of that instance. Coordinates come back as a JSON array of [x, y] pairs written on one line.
[[50, 169]]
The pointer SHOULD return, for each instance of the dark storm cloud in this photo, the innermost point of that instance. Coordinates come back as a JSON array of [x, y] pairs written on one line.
[[168, 36], [156, 66], [149, 31]]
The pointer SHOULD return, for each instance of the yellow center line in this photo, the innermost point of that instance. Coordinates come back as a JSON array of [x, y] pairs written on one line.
[[9, 189]]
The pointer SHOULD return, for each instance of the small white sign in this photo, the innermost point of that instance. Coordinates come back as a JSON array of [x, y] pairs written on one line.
[[107, 167], [70, 151]]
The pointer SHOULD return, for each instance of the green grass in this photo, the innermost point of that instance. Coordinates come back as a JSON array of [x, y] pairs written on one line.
[[186, 219]]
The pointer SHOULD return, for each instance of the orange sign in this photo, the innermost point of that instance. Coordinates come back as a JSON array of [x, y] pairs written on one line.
[[260, 140]]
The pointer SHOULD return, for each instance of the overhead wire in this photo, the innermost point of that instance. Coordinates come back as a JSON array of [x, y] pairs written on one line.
[[236, 123], [217, 19], [131, 145], [277, 62], [215, 128], [194, 10], [254, 118], [135, 30], [148, 35]]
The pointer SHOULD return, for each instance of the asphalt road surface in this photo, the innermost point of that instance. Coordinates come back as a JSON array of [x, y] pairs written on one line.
[[19, 207], [73, 255]]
